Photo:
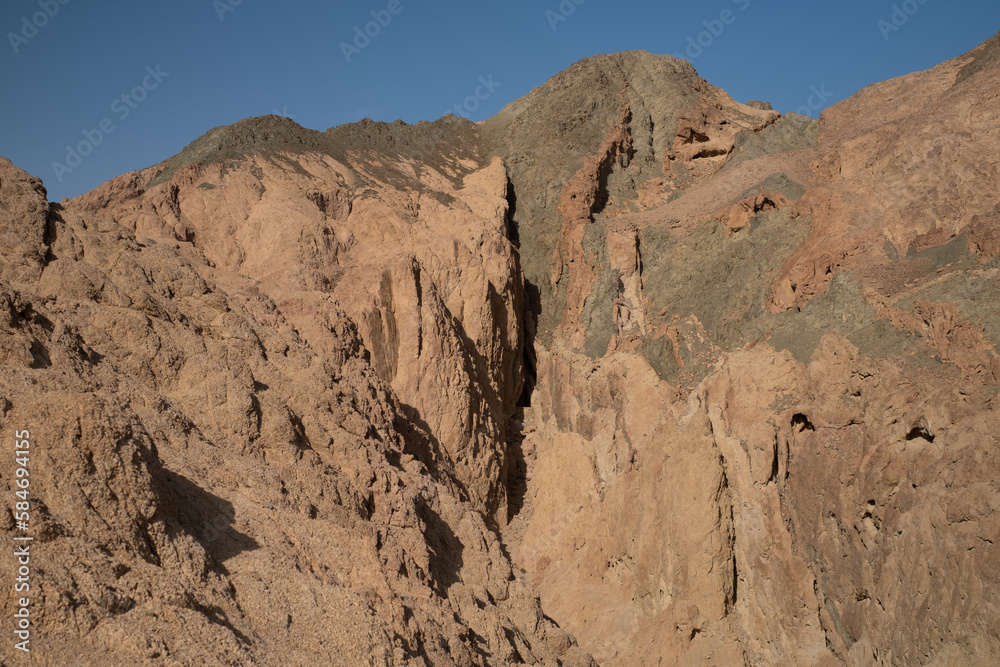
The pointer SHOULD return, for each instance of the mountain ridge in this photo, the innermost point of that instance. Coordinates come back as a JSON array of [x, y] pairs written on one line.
[[630, 372]]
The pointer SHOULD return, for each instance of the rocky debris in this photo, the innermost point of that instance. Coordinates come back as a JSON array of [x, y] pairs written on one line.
[[631, 362]]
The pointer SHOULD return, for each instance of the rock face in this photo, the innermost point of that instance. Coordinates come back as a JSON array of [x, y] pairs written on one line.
[[765, 436], [227, 466], [688, 380]]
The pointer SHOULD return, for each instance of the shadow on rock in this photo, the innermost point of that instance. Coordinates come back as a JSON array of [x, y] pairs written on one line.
[[443, 546], [206, 517]]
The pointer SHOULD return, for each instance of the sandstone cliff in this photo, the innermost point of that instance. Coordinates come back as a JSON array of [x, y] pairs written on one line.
[[631, 373]]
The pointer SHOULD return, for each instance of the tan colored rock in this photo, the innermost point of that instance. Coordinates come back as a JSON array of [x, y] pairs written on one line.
[[796, 498], [23, 217], [435, 290], [276, 386], [219, 473]]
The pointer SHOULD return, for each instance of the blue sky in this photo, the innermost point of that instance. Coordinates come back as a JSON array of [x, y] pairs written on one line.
[[186, 66]]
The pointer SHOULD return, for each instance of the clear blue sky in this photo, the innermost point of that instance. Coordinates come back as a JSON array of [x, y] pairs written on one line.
[[223, 60]]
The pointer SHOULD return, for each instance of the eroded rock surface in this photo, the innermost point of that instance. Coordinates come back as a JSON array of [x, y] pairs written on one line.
[[631, 373], [780, 452], [243, 450]]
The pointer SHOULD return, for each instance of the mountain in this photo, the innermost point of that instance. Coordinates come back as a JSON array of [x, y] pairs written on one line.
[[630, 373]]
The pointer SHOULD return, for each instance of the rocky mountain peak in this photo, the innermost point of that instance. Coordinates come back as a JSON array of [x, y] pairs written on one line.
[[630, 373]]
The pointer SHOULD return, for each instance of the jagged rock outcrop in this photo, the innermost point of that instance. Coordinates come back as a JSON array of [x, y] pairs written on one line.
[[222, 472], [416, 256], [686, 379], [746, 457]]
